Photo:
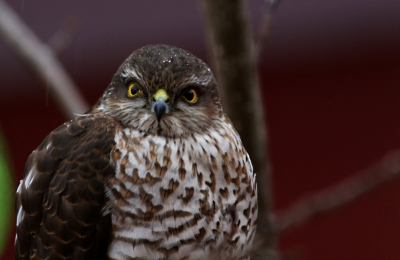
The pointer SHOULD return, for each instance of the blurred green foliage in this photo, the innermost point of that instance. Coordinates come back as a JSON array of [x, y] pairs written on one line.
[[6, 196]]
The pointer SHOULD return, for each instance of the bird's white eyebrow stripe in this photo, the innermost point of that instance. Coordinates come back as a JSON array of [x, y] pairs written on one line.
[[130, 72], [202, 80]]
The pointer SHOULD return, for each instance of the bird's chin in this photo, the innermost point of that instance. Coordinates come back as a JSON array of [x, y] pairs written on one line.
[[151, 126], [169, 127]]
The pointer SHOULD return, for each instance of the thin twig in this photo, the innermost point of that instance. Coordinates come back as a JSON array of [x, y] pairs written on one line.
[[232, 47], [265, 28], [64, 36], [339, 195], [41, 59]]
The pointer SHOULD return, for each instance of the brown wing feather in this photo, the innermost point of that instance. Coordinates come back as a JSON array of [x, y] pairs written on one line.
[[60, 199]]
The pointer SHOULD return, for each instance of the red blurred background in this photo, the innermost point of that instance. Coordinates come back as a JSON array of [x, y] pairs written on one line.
[[331, 89]]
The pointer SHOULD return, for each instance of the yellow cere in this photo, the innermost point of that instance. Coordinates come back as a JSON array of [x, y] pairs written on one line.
[[134, 89], [161, 93]]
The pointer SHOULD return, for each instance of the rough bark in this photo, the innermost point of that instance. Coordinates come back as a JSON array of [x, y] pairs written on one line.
[[232, 46]]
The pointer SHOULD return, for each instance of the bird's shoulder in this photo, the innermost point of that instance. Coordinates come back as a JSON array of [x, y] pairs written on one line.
[[64, 175]]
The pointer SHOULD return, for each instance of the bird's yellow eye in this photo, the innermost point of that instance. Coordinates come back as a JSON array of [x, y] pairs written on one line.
[[134, 90], [190, 96]]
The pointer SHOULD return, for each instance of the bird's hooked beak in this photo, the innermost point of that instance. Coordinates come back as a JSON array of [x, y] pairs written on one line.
[[160, 103]]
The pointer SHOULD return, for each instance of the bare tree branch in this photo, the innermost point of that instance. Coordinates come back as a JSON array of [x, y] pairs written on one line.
[[265, 27], [233, 51], [41, 60], [339, 195], [63, 37]]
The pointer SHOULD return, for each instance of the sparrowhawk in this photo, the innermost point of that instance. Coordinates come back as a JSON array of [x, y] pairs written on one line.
[[154, 170]]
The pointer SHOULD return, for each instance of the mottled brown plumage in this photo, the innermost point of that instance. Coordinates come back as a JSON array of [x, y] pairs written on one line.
[[154, 170], [60, 199]]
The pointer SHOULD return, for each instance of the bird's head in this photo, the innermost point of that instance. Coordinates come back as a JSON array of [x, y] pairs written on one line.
[[163, 90]]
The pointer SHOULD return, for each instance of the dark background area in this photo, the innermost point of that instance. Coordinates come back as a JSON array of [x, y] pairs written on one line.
[[330, 77]]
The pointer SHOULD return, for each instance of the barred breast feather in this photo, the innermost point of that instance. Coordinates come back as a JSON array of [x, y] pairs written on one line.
[[181, 198]]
